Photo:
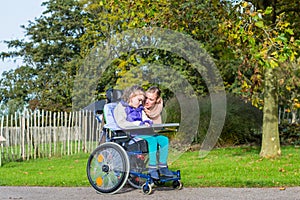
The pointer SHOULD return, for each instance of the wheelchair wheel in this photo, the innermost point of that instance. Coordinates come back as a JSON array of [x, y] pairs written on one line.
[[108, 168], [146, 188], [138, 164], [177, 185]]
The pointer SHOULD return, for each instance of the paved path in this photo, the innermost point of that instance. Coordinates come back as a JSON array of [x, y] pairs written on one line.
[[161, 193]]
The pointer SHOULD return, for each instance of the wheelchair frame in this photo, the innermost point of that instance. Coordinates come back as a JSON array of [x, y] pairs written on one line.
[[110, 166]]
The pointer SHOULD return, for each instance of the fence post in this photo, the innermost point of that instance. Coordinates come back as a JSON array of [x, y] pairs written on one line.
[[54, 132], [2, 139], [28, 134], [7, 138], [50, 134], [79, 130], [31, 136], [22, 125], [35, 139], [69, 134]]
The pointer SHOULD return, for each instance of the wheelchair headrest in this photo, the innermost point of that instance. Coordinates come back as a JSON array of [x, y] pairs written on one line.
[[113, 95]]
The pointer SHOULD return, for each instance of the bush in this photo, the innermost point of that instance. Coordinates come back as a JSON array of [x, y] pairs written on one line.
[[243, 122], [289, 134]]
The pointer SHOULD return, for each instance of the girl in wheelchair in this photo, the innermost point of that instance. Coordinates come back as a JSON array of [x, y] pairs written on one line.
[[130, 112]]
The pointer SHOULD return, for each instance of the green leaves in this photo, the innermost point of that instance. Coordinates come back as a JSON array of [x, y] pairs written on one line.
[[268, 11], [68, 31], [281, 38], [289, 31], [259, 24]]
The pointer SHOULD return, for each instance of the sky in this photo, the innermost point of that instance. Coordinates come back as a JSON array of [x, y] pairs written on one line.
[[13, 14]]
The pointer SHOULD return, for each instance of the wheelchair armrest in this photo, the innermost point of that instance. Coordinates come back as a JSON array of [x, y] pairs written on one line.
[[164, 126]]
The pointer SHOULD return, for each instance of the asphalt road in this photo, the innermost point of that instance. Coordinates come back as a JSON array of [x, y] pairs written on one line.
[[159, 193]]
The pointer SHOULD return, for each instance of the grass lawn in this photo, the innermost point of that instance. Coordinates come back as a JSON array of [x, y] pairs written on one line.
[[224, 167], [240, 167]]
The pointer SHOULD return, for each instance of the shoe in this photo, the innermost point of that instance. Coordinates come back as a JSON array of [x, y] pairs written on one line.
[[165, 172], [153, 173]]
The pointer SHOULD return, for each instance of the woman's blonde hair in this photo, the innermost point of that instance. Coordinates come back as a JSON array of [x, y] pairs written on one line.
[[132, 91]]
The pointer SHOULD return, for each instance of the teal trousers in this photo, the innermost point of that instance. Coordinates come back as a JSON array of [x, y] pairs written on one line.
[[160, 143]]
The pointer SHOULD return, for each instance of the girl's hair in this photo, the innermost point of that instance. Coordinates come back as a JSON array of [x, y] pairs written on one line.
[[131, 92], [155, 90]]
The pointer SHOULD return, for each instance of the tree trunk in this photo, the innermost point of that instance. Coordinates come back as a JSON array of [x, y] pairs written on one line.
[[270, 136]]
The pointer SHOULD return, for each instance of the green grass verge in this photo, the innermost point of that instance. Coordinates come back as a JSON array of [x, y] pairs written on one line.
[[240, 167], [226, 167], [56, 171]]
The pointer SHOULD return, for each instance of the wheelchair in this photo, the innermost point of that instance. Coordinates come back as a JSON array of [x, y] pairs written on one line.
[[121, 158]]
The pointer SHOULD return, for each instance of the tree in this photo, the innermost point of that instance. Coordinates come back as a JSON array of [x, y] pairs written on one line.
[[51, 48], [15, 87], [265, 42], [260, 51], [107, 18]]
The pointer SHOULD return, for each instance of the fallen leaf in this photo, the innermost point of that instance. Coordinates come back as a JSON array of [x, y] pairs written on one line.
[[281, 170]]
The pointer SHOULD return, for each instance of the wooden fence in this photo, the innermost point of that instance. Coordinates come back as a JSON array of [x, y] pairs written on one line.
[[31, 135], [288, 116]]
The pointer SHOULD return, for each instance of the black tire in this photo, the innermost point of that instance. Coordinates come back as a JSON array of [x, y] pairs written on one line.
[[108, 168], [177, 185]]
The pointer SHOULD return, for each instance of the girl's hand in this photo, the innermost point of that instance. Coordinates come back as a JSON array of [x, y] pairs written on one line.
[[146, 123]]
